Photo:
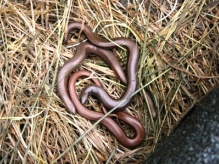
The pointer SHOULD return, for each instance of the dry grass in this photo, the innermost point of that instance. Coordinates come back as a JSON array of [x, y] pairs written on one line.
[[178, 65]]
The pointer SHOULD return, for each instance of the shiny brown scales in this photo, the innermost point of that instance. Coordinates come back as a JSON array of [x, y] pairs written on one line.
[[99, 46], [108, 122], [96, 47]]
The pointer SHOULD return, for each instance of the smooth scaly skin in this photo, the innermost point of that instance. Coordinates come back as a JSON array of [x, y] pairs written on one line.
[[133, 57], [107, 121], [82, 51]]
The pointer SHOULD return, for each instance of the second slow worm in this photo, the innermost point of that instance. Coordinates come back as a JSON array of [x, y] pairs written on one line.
[[107, 121], [100, 93]]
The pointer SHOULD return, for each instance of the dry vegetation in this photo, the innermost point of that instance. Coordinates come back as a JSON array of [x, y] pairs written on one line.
[[178, 65]]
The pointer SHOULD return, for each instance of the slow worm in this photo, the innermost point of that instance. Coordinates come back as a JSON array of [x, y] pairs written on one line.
[[100, 93], [82, 51], [107, 121]]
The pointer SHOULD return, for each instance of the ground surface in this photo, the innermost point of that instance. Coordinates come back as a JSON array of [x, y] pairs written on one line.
[[196, 139], [178, 42]]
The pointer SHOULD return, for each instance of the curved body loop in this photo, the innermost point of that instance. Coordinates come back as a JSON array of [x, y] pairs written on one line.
[[107, 121]]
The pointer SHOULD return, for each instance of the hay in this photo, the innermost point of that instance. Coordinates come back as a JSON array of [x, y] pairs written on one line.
[[178, 65]]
